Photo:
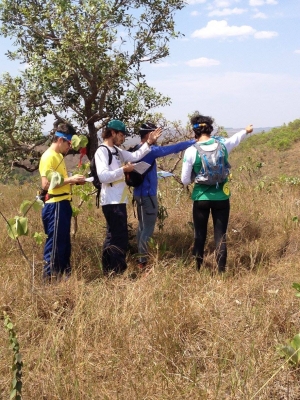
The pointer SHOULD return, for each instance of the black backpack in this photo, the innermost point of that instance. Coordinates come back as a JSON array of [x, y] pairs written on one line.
[[134, 178], [93, 172]]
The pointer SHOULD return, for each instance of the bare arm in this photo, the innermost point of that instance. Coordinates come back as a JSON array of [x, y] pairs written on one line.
[[72, 180]]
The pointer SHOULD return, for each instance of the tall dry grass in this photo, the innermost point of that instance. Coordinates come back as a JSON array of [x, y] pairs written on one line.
[[174, 333]]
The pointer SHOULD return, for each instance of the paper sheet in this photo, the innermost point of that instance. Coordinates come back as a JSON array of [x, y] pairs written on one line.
[[164, 174], [141, 167]]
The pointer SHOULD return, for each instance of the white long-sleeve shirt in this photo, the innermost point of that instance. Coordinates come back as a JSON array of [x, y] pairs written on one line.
[[114, 189], [191, 152]]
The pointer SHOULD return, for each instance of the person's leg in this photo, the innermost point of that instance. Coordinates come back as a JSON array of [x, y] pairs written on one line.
[[201, 211], [48, 213], [116, 242], [147, 215], [106, 246], [63, 255], [138, 201], [57, 225], [220, 214]]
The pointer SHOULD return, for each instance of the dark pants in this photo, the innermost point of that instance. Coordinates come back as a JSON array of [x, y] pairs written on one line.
[[116, 242], [220, 214], [57, 225]]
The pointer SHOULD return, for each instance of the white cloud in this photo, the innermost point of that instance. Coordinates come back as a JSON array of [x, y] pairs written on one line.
[[217, 4], [221, 29], [265, 35], [195, 13], [202, 62], [297, 51], [257, 3], [215, 29], [163, 65], [234, 99], [196, 1], [227, 11], [222, 3], [260, 15]]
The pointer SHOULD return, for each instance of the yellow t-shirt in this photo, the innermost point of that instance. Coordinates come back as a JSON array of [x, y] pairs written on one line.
[[53, 161]]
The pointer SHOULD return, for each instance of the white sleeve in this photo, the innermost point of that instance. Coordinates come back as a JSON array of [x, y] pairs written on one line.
[[128, 156], [187, 165], [104, 173], [234, 140]]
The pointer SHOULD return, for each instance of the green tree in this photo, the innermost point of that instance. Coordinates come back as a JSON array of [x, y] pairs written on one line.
[[20, 126], [84, 57]]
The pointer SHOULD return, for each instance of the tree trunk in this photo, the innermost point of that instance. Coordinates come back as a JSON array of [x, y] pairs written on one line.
[[93, 141]]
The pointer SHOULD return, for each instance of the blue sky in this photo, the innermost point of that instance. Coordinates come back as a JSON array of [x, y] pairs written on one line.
[[238, 62]]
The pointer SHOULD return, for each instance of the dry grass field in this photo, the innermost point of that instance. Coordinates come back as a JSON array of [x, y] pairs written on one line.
[[174, 333]]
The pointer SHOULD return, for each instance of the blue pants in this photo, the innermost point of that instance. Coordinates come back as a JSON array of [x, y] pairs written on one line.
[[116, 242], [57, 225]]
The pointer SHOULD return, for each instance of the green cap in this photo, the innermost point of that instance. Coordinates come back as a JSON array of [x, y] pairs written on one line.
[[117, 125]]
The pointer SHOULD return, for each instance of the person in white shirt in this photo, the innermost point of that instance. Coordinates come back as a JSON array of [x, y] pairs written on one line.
[[113, 196]]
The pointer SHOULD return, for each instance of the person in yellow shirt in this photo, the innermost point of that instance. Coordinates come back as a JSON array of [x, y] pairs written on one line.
[[57, 211]]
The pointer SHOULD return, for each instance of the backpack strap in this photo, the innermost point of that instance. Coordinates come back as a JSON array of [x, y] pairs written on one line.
[[110, 154]]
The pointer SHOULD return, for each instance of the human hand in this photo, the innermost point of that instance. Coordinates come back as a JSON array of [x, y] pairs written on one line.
[[128, 167], [46, 185], [77, 179], [154, 135], [249, 128]]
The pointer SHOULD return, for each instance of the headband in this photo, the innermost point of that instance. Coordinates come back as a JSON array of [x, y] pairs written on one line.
[[66, 136], [198, 125]]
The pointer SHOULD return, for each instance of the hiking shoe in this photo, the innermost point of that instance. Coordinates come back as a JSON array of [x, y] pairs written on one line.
[[142, 266]]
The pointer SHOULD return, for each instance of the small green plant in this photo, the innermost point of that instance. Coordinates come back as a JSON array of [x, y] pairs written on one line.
[[297, 287], [160, 249], [290, 180], [18, 226], [16, 385], [265, 184], [291, 351], [162, 212], [251, 168]]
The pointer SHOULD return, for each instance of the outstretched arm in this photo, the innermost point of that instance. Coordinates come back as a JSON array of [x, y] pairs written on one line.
[[236, 139], [162, 151]]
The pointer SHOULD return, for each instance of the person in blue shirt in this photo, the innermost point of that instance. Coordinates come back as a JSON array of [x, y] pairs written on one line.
[[145, 195]]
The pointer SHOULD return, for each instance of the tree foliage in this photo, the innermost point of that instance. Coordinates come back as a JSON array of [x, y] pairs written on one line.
[[84, 58], [20, 126]]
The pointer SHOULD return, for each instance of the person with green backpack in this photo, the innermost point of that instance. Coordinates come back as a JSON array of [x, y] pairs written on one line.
[[206, 164]]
